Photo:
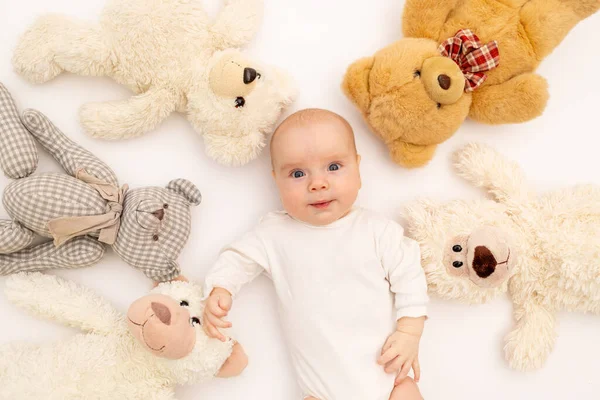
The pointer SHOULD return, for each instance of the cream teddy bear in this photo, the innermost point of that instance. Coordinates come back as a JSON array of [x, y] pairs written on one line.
[[144, 354], [544, 250], [175, 58]]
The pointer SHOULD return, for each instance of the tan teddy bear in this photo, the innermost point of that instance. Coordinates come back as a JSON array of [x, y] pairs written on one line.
[[459, 59], [544, 250]]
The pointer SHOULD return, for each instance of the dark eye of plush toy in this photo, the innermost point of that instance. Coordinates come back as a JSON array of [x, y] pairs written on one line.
[[184, 303], [417, 74], [457, 264], [240, 102], [194, 321], [457, 248], [439, 106], [165, 206], [155, 238]]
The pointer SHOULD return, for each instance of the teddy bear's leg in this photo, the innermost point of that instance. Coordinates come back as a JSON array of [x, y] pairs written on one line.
[[426, 18], [55, 43], [529, 344], [411, 155], [79, 252], [519, 99], [18, 153], [14, 236], [234, 151], [547, 22], [237, 23], [69, 154], [128, 118]]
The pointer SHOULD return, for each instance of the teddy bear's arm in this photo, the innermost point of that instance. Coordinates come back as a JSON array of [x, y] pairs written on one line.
[[69, 154], [528, 345], [129, 118], [237, 23], [426, 18], [484, 167], [517, 100], [60, 300]]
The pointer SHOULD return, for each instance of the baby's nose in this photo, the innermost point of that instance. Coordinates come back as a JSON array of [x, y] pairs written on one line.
[[319, 185]]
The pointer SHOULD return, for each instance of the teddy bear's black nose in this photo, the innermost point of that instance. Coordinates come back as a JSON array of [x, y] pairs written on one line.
[[249, 75], [444, 81], [484, 262]]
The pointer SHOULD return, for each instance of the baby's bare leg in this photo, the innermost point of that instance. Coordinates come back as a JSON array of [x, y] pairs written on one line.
[[406, 390]]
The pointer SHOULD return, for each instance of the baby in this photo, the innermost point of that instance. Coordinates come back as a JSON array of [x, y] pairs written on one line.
[[346, 279]]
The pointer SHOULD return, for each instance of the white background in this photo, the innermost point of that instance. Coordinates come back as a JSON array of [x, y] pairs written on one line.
[[461, 350]]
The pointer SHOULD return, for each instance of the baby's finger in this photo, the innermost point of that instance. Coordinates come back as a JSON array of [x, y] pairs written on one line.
[[395, 365], [404, 371], [218, 322], [214, 333], [388, 343], [417, 369], [214, 308], [386, 357], [225, 302]]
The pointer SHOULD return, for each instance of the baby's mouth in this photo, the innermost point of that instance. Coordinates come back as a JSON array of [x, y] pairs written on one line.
[[321, 204]]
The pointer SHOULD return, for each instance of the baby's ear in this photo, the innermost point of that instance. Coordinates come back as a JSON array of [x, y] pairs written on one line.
[[187, 189]]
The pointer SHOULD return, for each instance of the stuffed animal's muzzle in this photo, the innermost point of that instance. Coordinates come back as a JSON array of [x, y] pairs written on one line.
[[164, 327]]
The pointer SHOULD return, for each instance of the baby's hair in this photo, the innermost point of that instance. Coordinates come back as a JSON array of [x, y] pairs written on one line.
[[309, 115]]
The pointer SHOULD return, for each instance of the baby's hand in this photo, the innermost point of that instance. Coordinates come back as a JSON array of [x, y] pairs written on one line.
[[217, 308], [401, 350]]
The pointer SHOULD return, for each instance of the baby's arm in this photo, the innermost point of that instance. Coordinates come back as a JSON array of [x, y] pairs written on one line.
[[237, 265], [401, 259]]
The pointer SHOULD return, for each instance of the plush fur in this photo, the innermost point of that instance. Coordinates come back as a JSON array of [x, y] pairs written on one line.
[[544, 250], [174, 58], [108, 360], [407, 109]]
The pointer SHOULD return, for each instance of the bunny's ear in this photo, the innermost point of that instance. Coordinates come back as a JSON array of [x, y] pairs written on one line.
[[187, 189]]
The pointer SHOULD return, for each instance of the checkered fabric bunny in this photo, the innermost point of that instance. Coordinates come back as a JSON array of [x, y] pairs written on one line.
[[84, 209]]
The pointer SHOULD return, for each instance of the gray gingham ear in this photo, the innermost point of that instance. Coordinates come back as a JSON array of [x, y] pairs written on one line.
[[186, 189], [18, 154]]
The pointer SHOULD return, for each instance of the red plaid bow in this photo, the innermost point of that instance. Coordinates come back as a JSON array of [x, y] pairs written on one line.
[[466, 50]]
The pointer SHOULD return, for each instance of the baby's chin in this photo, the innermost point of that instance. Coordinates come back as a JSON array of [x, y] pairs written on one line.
[[320, 216]]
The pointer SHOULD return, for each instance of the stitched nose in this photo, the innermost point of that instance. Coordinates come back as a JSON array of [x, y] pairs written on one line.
[[249, 75], [160, 214], [444, 81], [484, 262], [162, 312]]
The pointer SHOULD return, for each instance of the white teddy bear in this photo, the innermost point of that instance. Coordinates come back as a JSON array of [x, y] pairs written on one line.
[[544, 250], [142, 355], [175, 58]]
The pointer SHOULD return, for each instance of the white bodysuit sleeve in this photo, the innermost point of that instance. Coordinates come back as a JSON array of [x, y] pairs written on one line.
[[401, 259], [237, 265]]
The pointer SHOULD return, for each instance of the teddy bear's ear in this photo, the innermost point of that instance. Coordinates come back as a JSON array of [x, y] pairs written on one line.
[[187, 189], [356, 82]]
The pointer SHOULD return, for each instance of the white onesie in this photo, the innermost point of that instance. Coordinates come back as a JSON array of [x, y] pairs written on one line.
[[341, 287]]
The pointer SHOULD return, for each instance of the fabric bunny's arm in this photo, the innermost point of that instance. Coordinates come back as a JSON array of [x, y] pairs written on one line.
[[237, 23], [425, 18], [64, 301], [485, 168], [69, 154]]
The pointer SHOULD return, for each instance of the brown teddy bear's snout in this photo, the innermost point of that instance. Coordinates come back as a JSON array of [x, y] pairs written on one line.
[[443, 80]]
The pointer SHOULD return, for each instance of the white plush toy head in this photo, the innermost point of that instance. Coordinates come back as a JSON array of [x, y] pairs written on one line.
[[466, 250], [168, 324], [235, 103]]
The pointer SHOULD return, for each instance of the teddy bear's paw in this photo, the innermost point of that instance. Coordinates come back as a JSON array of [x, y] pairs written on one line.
[[234, 151], [34, 54]]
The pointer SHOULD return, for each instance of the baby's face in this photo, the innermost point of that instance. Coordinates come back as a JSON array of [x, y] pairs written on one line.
[[315, 166]]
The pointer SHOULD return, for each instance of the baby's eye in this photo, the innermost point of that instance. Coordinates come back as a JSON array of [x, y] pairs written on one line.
[[297, 174], [334, 167]]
